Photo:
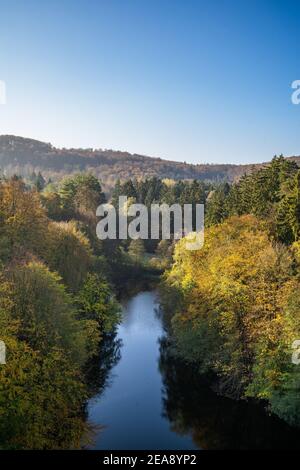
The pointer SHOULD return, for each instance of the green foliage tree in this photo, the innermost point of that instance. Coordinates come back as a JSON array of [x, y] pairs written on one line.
[[23, 220], [45, 313], [69, 253], [81, 193], [96, 302], [137, 250], [288, 211], [216, 205], [41, 392]]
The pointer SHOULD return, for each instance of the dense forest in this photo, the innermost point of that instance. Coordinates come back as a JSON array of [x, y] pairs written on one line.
[[57, 304], [26, 156], [236, 301], [232, 308]]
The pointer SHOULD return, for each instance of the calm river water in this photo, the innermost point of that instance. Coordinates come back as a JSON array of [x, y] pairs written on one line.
[[146, 399]]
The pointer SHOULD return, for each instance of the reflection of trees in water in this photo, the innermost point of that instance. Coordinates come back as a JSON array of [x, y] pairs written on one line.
[[98, 369], [215, 422], [97, 378]]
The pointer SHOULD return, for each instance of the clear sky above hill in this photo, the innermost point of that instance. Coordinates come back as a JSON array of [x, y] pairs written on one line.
[[201, 81]]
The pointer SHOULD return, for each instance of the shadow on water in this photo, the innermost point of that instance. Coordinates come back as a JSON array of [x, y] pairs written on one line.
[[216, 422], [98, 370]]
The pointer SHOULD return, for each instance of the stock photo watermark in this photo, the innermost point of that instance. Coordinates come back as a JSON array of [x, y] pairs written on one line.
[[2, 92], [296, 94], [137, 221], [2, 353], [296, 353]]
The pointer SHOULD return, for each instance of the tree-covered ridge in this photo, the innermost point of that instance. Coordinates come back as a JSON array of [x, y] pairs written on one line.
[[236, 300], [27, 156]]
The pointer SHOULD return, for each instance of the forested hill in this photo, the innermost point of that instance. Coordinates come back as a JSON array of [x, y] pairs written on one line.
[[22, 156]]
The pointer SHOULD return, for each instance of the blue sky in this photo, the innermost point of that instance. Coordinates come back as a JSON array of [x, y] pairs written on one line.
[[200, 81]]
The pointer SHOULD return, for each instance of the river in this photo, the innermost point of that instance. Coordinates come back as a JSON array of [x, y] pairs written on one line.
[[147, 399]]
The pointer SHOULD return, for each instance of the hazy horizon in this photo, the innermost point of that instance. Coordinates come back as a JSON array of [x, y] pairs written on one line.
[[145, 154]]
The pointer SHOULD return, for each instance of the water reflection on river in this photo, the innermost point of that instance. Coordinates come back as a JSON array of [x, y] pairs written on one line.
[[147, 399]]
